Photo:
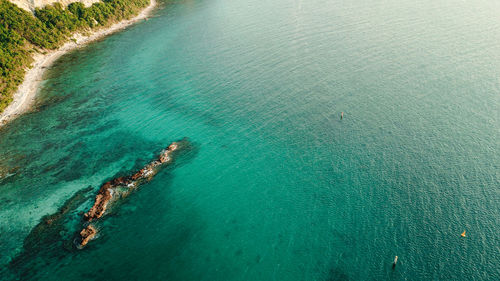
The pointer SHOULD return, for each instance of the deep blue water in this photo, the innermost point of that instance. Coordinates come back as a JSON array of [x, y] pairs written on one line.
[[275, 186]]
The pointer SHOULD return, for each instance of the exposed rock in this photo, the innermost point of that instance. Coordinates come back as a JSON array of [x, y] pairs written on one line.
[[87, 234], [101, 201], [122, 186]]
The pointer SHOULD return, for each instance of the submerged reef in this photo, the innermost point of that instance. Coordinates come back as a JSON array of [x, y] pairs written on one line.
[[52, 237], [70, 227]]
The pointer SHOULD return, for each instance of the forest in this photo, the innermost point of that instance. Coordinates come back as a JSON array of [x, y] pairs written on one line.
[[23, 33]]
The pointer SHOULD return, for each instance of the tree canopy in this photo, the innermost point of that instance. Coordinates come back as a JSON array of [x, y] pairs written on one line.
[[48, 28]]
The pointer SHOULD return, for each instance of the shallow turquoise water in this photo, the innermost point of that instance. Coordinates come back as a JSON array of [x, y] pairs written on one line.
[[275, 187]]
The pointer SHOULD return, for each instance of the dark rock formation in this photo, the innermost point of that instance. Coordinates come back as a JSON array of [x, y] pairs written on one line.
[[121, 187], [87, 234]]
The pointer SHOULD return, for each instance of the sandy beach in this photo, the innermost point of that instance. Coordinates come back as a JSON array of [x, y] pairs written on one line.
[[25, 94]]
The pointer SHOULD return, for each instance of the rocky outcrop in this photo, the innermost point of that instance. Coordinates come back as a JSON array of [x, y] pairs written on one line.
[[87, 234], [121, 187], [30, 5]]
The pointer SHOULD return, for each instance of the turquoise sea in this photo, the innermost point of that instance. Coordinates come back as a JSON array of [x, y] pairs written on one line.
[[274, 186]]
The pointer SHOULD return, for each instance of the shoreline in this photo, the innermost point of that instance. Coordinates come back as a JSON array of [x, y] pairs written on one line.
[[25, 95]]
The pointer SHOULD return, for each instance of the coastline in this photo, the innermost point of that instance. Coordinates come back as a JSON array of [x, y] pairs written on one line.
[[27, 90]]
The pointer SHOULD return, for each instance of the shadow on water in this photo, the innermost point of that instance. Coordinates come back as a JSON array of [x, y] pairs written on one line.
[[336, 274], [338, 269], [53, 238]]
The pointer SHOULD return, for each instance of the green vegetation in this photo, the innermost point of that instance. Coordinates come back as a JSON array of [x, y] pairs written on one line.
[[22, 32]]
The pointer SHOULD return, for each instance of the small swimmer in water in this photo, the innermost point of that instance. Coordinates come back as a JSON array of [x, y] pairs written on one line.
[[394, 263], [341, 115]]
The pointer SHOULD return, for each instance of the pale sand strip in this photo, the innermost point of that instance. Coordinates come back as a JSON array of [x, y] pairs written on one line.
[[26, 92]]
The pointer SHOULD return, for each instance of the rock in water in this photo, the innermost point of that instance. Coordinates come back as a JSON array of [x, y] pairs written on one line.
[[87, 234], [121, 187]]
